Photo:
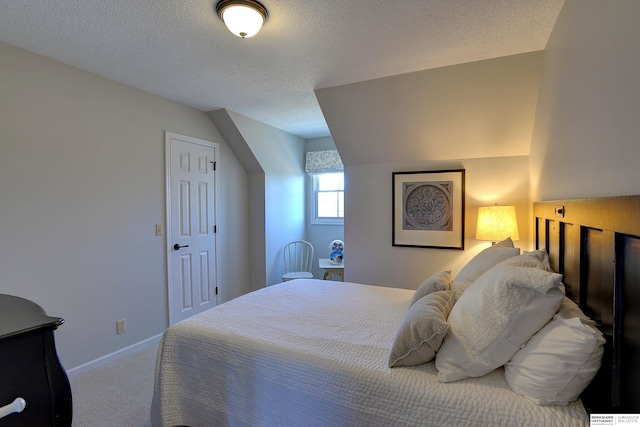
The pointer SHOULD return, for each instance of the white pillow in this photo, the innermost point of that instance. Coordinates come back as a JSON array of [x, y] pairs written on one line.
[[570, 309], [437, 282], [483, 261], [559, 361], [533, 259], [494, 317], [422, 330]]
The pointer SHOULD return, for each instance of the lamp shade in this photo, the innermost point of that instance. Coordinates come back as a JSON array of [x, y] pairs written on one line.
[[244, 18], [496, 223]]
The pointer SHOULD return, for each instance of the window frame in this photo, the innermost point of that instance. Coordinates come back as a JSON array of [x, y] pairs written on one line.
[[313, 203]]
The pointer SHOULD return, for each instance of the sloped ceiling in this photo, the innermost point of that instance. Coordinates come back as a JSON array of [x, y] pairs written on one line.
[[181, 50], [473, 110]]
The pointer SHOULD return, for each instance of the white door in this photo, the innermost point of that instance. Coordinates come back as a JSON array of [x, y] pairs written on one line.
[[191, 225]]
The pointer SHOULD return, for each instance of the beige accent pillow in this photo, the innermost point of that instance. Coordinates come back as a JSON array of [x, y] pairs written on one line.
[[422, 330], [506, 243], [560, 360], [483, 261], [437, 282], [494, 317]]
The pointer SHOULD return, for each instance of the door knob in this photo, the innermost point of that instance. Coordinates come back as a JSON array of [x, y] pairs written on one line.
[[177, 246]]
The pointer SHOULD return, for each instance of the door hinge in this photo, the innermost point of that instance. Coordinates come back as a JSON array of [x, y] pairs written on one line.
[[216, 290], [215, 229]]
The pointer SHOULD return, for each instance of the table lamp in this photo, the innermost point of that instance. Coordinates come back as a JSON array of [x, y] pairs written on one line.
[[496, 223]]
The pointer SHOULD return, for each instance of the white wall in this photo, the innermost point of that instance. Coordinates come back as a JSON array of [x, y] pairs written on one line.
[[281, 156], [585, 141], [255, 233], [82, 185], [368, 224]]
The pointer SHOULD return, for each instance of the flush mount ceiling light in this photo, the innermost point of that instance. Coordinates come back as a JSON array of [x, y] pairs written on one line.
[[244, 18]]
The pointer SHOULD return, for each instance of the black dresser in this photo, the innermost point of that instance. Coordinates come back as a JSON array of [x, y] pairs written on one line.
[[29, 366]]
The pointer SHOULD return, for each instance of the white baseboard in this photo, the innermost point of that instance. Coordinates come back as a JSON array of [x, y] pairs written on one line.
[[104, 360]]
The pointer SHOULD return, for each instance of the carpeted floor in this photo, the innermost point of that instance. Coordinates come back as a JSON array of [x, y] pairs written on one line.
[[116, 395]]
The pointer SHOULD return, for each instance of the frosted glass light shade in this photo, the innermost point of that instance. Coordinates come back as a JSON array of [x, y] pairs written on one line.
[[244, 18], [496, 223]]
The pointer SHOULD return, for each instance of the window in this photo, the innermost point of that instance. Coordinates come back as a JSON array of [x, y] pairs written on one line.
[[327, 203], [326, 195]]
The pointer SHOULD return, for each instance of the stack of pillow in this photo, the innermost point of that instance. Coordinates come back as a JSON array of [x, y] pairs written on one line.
[[425, 324], [502, 309]]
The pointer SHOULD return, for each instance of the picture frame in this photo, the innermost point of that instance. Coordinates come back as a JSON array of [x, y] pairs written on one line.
[[428, 209]]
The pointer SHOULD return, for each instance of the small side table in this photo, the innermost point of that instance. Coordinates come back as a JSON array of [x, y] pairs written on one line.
[[331, 270]]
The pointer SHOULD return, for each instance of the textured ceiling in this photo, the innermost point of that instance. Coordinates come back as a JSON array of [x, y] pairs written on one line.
[[180, 50]]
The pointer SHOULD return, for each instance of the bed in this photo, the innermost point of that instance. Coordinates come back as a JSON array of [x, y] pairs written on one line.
[[318, 353]]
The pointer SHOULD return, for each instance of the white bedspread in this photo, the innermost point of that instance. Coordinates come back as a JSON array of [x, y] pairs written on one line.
[[314, 353]]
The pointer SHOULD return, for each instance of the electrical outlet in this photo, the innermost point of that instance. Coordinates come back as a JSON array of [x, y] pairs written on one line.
[[121, 326]]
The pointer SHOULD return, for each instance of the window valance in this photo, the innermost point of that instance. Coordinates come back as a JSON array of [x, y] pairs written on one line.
[[325, 161]]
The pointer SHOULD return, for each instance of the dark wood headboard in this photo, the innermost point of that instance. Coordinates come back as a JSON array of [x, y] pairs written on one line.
[[595, 244]]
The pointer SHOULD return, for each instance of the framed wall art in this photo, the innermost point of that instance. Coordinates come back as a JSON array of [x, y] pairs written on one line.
[[428, 209]]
